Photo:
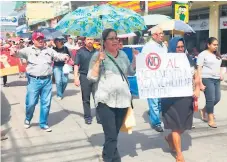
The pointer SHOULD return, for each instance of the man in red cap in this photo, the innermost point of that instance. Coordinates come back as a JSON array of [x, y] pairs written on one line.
[[39, 70]]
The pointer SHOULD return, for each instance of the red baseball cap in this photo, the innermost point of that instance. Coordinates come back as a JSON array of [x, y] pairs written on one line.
[[37, 35]]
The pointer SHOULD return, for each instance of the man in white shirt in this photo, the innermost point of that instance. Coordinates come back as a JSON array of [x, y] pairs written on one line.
[[155, 45], [70, 44]]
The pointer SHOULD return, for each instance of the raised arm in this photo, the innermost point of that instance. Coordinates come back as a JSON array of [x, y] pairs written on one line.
[[59, 56], [94, 66]]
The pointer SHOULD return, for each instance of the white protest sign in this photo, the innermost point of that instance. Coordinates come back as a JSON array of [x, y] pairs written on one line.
[[163, 75]]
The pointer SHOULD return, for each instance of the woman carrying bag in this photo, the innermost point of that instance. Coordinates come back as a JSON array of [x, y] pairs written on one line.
[[112, 95]]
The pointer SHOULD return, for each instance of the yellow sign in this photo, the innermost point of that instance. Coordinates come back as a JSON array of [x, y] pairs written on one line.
[[39, 10], [181, 12]]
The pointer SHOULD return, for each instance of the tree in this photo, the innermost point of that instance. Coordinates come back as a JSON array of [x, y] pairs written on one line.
[[14, 35], [8, 35]]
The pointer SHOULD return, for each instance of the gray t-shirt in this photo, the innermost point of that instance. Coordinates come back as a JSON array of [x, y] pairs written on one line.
[[210, 65], [40, 60]]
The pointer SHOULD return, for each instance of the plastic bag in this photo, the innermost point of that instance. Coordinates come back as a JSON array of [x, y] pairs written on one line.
[[129, 121], [67, 69]]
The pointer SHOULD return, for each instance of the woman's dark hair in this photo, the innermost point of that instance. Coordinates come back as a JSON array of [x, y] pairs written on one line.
[[106, 32], [210, 41]]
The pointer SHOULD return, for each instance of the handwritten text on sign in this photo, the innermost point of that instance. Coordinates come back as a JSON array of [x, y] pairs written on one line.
[[163, 75]]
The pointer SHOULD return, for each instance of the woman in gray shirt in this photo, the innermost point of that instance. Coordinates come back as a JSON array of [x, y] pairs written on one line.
[[209, 68], [111, 91]]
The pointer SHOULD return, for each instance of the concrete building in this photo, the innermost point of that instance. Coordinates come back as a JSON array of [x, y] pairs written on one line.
[[208, 19]]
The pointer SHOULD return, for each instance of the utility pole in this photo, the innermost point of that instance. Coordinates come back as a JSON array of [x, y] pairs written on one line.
[[70, 6], [146, 8]]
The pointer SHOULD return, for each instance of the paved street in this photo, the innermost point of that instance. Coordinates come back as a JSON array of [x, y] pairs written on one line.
[[73, 140]]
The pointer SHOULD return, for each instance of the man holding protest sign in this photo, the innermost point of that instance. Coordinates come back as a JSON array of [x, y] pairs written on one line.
[[155, 45], [39, 70]]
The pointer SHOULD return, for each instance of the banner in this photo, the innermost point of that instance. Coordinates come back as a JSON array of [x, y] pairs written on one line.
[[39, 10], [203, 24], [9, 20], [181, 12], [137, 6], [9, 64], [161, 75]]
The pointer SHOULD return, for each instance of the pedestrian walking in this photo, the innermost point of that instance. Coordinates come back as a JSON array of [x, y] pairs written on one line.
[[157, 45], [39, 72], [209, 67], [5, 81], [70, 44], [61, 79], [107, 70], [177, 112], [82, 59]]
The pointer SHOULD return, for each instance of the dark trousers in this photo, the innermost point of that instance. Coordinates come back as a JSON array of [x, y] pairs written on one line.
[[4, 79], [86, 89], [212, 93], [111, 119]]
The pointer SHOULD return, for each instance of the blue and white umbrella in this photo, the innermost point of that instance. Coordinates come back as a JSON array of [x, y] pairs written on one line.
[[92, 20]]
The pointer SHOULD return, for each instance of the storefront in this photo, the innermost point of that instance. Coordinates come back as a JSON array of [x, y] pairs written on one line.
[[200, 22]]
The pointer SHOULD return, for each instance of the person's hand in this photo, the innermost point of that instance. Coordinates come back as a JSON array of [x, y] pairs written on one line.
[[202, 87], [135, 52], [221, 77], [196, 93], [77, 82], [67, 58], [24, 61], [102, 55], [13, 50]]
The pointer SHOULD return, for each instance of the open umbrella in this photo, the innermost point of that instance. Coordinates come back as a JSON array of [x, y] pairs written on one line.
[[129, 35], [50, 33], [92, 20], [176, 26], [25, 35], [155, 19]]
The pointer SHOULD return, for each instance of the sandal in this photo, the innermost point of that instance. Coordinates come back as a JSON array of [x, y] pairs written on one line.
[[180, 158], [3, 137], [203, 115], [170, 144]]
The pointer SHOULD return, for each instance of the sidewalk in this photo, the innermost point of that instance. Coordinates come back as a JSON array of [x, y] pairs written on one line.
[[73, 140]]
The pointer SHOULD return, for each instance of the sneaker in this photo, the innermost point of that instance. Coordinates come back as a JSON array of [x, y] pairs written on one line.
[[6, 85], [26, 124], [47, 128], [193, 126], [88, 121], [158, 128], [59, 98]]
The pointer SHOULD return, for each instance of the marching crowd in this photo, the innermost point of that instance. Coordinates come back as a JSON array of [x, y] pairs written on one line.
[[102, 71]]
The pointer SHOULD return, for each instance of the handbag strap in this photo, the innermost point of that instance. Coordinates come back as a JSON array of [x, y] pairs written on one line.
[[119, 69], [122, 75]]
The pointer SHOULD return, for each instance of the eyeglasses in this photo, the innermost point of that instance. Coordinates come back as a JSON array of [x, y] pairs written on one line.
[[180, 46], [112, 39]]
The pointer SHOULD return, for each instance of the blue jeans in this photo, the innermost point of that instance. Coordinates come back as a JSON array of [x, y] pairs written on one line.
[[212, 93], [38, 88], [154, 109], [61, 80]]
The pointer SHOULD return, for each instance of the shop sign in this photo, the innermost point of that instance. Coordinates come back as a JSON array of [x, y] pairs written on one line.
[[138, 6], [199, 25], [9, 20], [181, 12], [223, 23]]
